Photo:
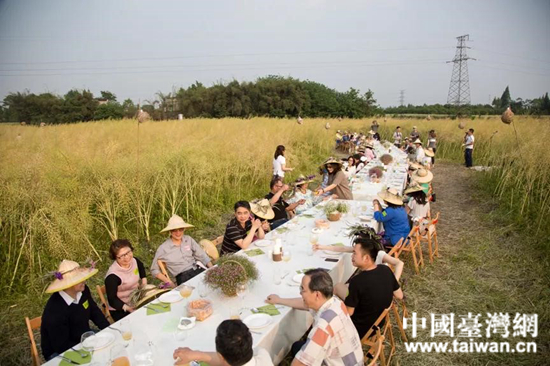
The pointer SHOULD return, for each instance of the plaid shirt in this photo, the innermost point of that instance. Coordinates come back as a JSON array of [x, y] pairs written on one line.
[[333, 340]]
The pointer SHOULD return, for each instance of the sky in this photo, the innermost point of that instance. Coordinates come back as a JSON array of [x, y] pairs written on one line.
[[140, 47]]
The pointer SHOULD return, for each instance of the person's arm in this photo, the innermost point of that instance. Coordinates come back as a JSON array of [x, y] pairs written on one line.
[[96, 315], [112, 282], [292, 206], [397, 292], [396, 263], [155, 270], [273, 200], [184, 356], [56, 328], [297, 362], [295, 303], [142, 273], [332, 248], [245, 243], [285, 169], [353, 299]]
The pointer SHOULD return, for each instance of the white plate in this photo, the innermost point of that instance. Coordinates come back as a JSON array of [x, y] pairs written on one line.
[[262, 243], [100, 340], [170, 297], [365, 218], [256, 321], [298, 278]]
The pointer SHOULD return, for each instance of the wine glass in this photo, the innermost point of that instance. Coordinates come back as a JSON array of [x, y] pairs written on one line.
[[86, 341], [119, 356], [313, 238], [241, 292], [277, 275]]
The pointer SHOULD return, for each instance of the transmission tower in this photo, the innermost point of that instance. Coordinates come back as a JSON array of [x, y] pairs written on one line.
[[402, 97], [459, 90]]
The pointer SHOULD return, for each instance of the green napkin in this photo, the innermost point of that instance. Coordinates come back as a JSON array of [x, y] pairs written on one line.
[[303, 270], [269, 310], [171, 325], [75, 356], [161, 307], [254, 252], [307, 216], [282, 230]]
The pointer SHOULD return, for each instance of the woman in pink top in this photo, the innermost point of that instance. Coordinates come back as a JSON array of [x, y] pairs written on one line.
[[123, 276]]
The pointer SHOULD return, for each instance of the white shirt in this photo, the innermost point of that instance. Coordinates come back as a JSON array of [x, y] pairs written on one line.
[[470, 142], [418, 211], [420, 154], [278, 166], [261, 358], [397, 137], [68, 299]]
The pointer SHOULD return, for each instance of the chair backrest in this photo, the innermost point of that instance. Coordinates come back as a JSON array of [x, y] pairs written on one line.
[[162, 267], [33, 324], [374, 352], [396, 248], [376, 326], [436, 219], [101, 292]]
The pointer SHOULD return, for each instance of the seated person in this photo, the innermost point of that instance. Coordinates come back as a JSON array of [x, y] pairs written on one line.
[[394, 217], [261, 209], [333, 339], [126, 274], [183, 257], [69, 310], [418, 206], [240, 231], [233, 348], [279, 205], [372, 287], [302, 193]]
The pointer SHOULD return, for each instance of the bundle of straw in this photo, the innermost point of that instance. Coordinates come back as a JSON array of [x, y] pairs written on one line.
[[508, 116]]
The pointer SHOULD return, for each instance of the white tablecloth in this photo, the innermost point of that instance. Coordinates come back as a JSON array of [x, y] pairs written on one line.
[[285, 329]]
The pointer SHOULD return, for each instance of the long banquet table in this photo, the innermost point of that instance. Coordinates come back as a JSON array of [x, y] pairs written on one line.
[[159, 330]]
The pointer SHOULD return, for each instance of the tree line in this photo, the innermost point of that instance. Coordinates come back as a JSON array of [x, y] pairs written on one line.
[[271, 96]]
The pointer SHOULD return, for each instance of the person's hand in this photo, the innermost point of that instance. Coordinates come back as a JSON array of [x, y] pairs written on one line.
[[318, 247], [285, 187], [265, 226], [183, 356], [301, 202], [273, 299], [256, 224], [127, 308], [319, 191]]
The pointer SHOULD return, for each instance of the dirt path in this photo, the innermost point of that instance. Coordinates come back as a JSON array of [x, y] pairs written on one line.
[[484, 267]]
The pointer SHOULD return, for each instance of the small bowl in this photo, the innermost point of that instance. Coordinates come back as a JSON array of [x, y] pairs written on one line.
[[186, 323], [316, 230]]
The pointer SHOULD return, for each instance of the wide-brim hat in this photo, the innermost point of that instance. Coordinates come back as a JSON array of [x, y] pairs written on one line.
[[68, 274], [262, 208], [391, 196], [415, 166], [371, 132], [417, 141], [176, 222], [414, 127], [148, 293], [303, 180], [429, 152], [422, 176], [414, 187], [370, 145], [332, 160]]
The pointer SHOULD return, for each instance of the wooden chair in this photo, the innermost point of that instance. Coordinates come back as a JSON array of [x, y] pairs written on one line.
[[211, 247], [376, 332], [162, 267], [399, 317], [101, 291], [33, 324], [375, 350], [430, 238], [411, 245]]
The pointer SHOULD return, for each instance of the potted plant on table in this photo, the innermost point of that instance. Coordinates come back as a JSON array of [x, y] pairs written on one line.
[[231, 271], [334, 210]]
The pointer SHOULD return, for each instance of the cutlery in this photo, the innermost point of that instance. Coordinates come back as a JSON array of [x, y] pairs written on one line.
[[153, 309], [286, 274], [82, 354], [113, 328], [68, 360], [253, 331]]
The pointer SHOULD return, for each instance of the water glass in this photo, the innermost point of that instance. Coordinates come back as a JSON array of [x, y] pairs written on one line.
[[287, 255], [277, 276], [86, 341], [203, 289], [126, 331], [119, 356], [309, 250]]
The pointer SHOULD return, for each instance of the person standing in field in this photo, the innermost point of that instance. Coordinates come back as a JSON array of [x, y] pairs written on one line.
[[432, 143], [279, 163], [469, 148], [397, 136], [415, 134]]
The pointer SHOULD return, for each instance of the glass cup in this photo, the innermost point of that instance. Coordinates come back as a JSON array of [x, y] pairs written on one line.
[[287, 255], [119, 356], [277, 276], [234, 313], [126, 331], [186, 291], [314, 239], [143, 350], [86, 341], [181, 334], [309, 250], [203, 289]]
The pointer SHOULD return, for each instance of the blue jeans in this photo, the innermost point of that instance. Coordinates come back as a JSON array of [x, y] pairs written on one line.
[[468, 157]]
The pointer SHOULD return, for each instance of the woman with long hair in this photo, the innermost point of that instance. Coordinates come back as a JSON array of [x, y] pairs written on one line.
[[337, 181], [279, 162]]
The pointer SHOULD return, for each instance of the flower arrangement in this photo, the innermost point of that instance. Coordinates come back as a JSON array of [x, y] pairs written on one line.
[[377, 170], [231, 271], [335, 210], [386, 159]]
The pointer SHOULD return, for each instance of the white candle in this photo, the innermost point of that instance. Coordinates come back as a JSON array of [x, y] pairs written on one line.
[[277, 247]]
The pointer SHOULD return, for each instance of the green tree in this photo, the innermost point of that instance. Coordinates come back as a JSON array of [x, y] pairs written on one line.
[[78, 106], [108, 95], [111, 110], [505, 99], [129, 108]]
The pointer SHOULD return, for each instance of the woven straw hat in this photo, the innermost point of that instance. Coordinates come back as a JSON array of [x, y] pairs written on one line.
[[148, 293], [422, 176], [415, 166], [413, 187], [392, 196], [332, 160], [429, 152], [210, 249], [417, 141], [262, 209], [68, 274], [176, 222], [302, 179], [371, 132]]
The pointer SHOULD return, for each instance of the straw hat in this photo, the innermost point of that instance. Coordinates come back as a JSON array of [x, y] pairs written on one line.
[[147, 294], [176, 222], [262, 209], [332, 160], [68, 274], [417, 141], [370, 145], [422, 176], [210, 249], [429, 152], [371, 132], [415, 166], [391, 196], [413, 187], [303, 180], [414, 127]]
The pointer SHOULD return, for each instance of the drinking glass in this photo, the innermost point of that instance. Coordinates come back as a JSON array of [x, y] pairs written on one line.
[[86, 341], [277, 275], [143, 350], [309, 250], [119, 356], [314, 238], [126, 331], [186, 291], [241, 292], [234, 313], [287, 255], [203, 289]]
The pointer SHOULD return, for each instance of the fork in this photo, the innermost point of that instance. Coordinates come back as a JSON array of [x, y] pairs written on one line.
[[153, 309], [82, 354], [68, 360], [118, 330]]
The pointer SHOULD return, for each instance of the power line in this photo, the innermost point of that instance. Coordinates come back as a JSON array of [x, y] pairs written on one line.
[[459, 89]]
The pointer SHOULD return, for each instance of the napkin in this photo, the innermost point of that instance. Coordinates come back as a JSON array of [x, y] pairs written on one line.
[[336, 245], [254, 252], [75, 356], [171, 325], [161, 307], [269, 310], [303, 270], [282, 230], [307, 216]]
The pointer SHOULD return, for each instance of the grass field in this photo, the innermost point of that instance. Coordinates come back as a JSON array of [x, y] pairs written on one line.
[[69, 189]]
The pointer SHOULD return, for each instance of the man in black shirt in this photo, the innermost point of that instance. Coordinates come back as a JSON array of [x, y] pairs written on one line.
[[279, 205], [372, 289], [69, 310]]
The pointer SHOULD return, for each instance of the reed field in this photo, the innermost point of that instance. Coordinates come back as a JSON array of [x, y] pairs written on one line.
[[69, 190]]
